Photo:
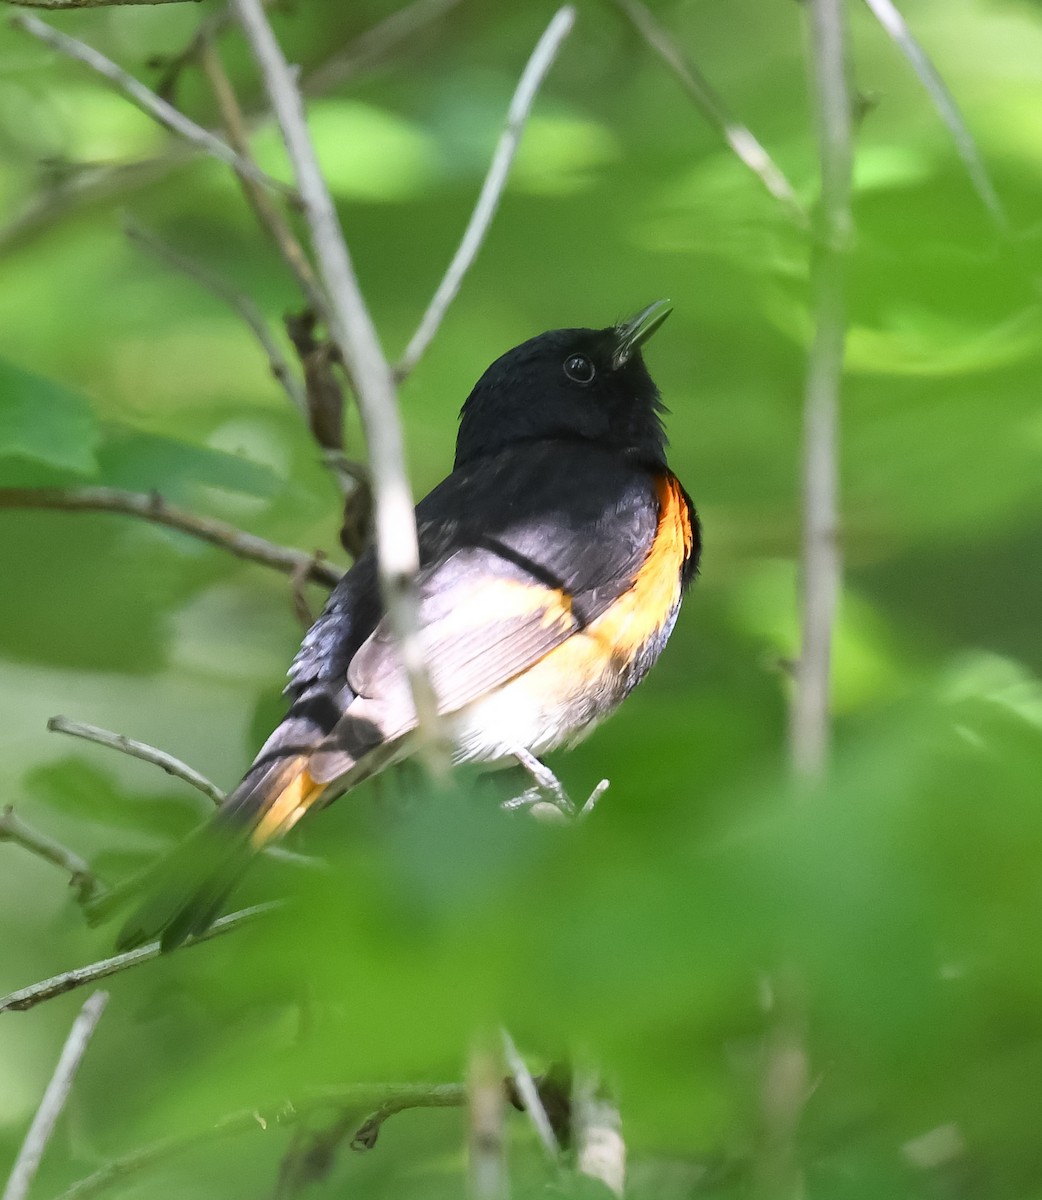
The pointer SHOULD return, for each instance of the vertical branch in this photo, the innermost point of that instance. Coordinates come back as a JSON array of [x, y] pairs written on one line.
[[486, 1150], [821, 554], [353, 331], [54, 1098]]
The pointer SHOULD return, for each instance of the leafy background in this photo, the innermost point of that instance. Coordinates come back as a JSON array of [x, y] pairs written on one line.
[[904, 895]]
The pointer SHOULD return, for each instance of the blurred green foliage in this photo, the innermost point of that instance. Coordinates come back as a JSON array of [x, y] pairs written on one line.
[[905, 896]]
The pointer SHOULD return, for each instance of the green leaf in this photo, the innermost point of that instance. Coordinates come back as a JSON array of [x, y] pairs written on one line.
[[140, 461], [46, 423]]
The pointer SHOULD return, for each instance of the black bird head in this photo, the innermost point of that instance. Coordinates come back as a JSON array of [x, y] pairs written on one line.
[[577, 384]]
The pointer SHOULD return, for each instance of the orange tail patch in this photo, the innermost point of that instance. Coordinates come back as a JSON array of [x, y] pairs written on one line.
[[286, 809]]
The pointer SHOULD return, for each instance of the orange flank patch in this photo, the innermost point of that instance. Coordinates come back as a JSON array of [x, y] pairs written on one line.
[[287, 808], [616, 637]]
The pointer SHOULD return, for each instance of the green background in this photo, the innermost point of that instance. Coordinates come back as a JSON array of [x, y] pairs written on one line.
[[904, 896]]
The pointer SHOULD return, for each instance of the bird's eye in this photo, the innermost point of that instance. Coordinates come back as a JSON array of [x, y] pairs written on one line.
[[579, 368]]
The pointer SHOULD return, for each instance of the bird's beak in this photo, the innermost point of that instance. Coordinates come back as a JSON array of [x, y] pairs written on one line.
[[632, 334]]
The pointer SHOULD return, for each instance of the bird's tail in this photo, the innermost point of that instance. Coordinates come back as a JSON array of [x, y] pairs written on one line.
[[186, 890]]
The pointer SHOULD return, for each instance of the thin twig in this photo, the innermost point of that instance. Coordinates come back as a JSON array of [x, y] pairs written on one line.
[[172, 766], [529, 1094], [486, 1144], [55, 1097], [68, 981], [384, 1098], [894, 24], [145, 98], [711, 104], [152, 507], [355, 336], [269, 217], [492, 189], [93, 184], [57, 5], [820, 559], [374, 44], [239, 303], [82, 879], [208, 30], [126, 745]]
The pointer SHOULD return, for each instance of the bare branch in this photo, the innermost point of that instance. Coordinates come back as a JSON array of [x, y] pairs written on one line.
[[353, 331], [54, 1098], [98, 906], [125, 745], [784, 1090], [388, 1098], [92, 184], [269, 217], [820, 560], [58, 5], [887, 14], [486, 1149], [492, 189], [68, 981], [599, 1146], [529, 1094], [711, 104], [82, 879], [145, 99], [374, 44], [152, 507], [239, 303]]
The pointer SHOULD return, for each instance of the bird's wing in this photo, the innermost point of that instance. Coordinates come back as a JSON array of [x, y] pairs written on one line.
[[520, 553]]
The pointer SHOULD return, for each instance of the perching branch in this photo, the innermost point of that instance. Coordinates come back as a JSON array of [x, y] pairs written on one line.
[[54, 1098], [146, 99], [355, 336], [711, 104], [385, 1099], [239, 303], [820, 559], [894, 24], [152, 507], [492, 189], [125, 745], [68, 981], [82, 879]]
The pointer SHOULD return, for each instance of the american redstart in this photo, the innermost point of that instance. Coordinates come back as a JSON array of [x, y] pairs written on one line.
[[553, 562]]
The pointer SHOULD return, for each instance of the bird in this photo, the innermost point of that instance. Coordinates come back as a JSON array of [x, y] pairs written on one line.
[[553, 561]]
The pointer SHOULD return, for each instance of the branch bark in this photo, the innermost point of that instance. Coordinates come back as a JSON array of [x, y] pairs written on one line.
[[397, 547], [152, 507], [820, 558], [69, 981], [145, 99], [492, 189], [58, 5], [54, 1098], [386, 1099], [126, 745], [82, 879]]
